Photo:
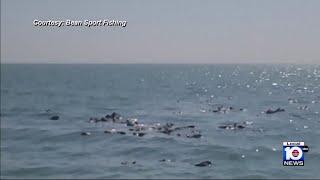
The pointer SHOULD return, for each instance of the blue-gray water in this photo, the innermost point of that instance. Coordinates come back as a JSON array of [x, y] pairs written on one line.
[[32, 146]]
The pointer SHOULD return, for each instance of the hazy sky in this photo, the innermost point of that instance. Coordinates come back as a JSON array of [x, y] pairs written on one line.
[[166, 31]]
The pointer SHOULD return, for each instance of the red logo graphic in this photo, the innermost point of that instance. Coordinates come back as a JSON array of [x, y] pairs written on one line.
[[295, 153]]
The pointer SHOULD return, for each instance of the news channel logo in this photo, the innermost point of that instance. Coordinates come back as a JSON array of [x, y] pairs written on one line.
[[293, 153]]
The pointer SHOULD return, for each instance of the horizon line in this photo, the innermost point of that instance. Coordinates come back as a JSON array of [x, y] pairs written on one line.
[[137, 63]]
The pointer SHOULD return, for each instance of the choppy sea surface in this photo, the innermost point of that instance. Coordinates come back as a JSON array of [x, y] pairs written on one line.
[[33, 146]]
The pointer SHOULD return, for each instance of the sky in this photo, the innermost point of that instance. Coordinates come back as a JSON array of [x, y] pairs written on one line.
[[166, 31]]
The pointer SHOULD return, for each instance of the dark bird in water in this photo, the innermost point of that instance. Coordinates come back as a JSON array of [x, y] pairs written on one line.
[[114, 116], [270, 111], [184, 127], [132, 122], [234, 126], [204, 163], [54, 118], [140, 134], [194, 136], [85, 134], [114, 131], [121, 132], [165, 160], [126, 162]]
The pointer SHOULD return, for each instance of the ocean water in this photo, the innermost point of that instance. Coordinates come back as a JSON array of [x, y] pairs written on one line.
[[33, 146]]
